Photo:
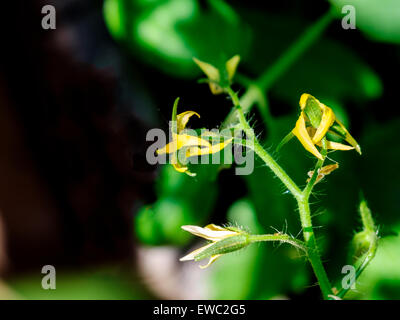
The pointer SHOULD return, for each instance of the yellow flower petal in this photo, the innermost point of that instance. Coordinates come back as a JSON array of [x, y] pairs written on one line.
[[336, 146], [231, 66], [212, 259], [301, 133], [183, 118], [194, 253], [327, 119], [196, 151], [209, 233], [303, 100], [180, 141]]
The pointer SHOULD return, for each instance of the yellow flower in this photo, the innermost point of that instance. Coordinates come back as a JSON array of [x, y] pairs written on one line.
[[223, 240], [315, 120], [191, 145], [215, 81]]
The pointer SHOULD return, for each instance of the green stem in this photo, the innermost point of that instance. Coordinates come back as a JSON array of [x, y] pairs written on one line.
[[307, 190], [278, 237], [312, 248], [308, 232], [259, 150]]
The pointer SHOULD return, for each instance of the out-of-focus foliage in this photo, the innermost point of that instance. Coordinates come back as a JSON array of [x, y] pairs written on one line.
[[180, 202], [169, 33], [331, 70], [379, 20], [98, 284]]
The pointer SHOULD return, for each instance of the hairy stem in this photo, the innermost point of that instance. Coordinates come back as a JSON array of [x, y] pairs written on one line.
[[312, 248], [310, 185], [308, 232], [260, 151], [278, 237]]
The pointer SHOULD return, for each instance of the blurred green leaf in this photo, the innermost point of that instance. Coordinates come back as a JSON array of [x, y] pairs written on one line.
[[377, 170], [379, 20], [328, 70], [99, 284], [180, 200], [169, 33]]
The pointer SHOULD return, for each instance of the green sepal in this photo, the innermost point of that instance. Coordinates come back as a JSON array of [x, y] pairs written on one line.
[[285, 140], [174, 113], [223, 246], [313, 111]]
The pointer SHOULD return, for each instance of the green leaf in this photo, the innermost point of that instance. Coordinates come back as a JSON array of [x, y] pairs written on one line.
[[168, 33]]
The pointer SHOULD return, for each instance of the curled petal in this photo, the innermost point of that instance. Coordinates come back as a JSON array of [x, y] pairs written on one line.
[[196, 151], [169, 148], [193, 254], [212, 259], [210, 233], [336, 146], [349, 138], [183, 118], [303, 100], [301, 133], [186, 140], [179, 167], [327, 119], [180, 141]]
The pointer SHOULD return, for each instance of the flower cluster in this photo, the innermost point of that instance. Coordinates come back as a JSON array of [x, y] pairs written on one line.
[[190, 145]]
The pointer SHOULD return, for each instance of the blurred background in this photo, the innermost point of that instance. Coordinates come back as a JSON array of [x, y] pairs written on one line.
[[76, 191]]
